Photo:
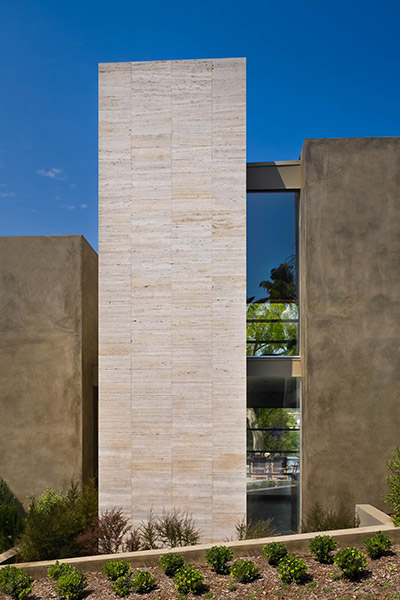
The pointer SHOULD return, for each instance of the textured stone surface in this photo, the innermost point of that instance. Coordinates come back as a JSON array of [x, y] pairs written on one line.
[[350, 282], [172, 289], [48, 325]]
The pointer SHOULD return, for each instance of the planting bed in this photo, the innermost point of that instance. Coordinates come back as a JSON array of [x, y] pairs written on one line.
[[381, 581]]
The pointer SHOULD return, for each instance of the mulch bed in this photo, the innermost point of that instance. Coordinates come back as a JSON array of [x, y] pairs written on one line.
[[381, 582]]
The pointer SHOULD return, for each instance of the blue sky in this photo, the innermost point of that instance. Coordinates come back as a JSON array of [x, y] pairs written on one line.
[[314, 69]]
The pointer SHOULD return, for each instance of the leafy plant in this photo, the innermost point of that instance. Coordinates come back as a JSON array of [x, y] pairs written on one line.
[[292, 569], [321, 547], [116, 568], [143, 582], [322, 519], [171, 563], [244, 570], [15, 582], [58, 569], [218, 557], [254, 530], [352, 562], [274, 552], [11, 517], [393, 483], [377, 545], [122, 585], [188, 579], [71, 585]]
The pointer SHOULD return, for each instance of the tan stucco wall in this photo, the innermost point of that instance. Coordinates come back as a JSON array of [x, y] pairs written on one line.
[[172, 365], [350, 318], [41, 396]]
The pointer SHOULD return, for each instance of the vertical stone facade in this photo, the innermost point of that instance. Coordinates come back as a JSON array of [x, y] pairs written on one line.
[[172, 371], [350, 318]]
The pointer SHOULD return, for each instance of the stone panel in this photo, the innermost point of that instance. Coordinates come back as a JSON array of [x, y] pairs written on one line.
[[176, 291]]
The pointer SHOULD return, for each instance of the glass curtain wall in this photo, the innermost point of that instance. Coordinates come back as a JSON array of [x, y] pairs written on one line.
[[272, 309], [273, 403], [273, 451]]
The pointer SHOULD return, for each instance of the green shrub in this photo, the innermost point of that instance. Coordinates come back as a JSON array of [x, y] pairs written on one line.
[[58, 569], [11, 517], [71, 585], [352, 562], [322, 519], [54, 523], [171, 563], [15, 582], [274, 552], [377, 545], [292, 569], [244, 570], [177, 529], [321, 547], [393, 483], [218, 557], [143, 582], [116, 568], [188, 579], [123, 585]]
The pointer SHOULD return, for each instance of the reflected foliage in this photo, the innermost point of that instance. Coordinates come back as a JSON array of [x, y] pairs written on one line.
[[277, 419], [272, 321]]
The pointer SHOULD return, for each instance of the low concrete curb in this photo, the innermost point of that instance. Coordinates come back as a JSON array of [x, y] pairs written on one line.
[[196, 554], [7, 557]]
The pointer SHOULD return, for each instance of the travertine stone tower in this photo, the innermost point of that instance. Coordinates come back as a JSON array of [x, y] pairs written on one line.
[[172, 290]]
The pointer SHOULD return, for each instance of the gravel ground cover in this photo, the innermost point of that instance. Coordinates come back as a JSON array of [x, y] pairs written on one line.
[[381, 582]]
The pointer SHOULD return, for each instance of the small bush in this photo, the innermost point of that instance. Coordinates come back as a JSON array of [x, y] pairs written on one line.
[[218, 557], [71, 585], [123, 585], [321, 547], [113, 526], [322, 519], [148, 532], [11, 517], [254, 530], [352, 562], [292, 569], [132, 541], [15, 582], [171, 563], [177, 529], [274, 552], [58, 569], [143, 582], [116, 568], [377, 545], [244, 570], [393, 483], [188, 579], [54, 522]]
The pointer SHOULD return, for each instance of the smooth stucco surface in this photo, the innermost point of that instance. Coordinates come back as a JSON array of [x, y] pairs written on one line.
[[172, 183], [350, 318], [42, 402]]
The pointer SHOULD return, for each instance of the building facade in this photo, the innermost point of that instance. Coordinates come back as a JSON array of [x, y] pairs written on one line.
[[179, 427], [48, 349]]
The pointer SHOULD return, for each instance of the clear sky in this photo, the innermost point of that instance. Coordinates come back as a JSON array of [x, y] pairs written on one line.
[[315, 68]]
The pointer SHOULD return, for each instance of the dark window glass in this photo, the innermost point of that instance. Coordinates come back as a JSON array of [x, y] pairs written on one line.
[[272, 308], [273, 451]]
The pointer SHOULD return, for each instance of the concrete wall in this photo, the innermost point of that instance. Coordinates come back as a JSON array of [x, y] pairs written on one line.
[[350, 318], [172, 290], [45, 355]]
